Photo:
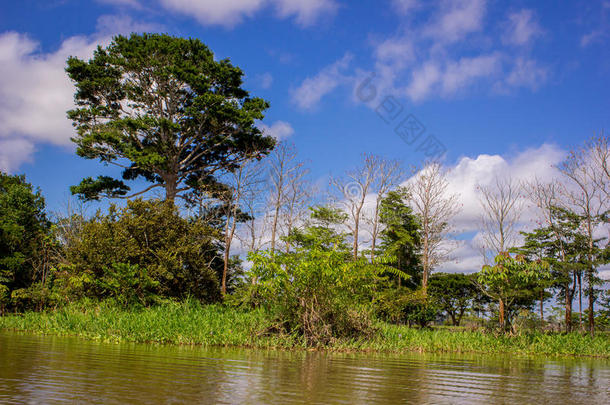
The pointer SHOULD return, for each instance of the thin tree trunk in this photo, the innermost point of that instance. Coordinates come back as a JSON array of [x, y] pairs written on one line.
[[502, 324], [591, 302], [579, 301], [541, 307]]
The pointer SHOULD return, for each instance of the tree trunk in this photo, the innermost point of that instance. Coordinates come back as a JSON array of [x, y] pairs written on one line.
[[452, 315], [541, 307], [579, 301], [356, 226], [569, 295], [591, 302], [459, 319], [501, 314], [170, 188]]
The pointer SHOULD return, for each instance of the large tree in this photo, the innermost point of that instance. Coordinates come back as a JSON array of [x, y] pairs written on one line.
[[165, 111]]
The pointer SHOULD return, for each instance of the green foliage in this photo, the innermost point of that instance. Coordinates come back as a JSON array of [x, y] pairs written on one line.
[[452, 293], [141, 250], [400, 237], [405, 306], [166, 111], [318, 291], [23, 229], [510, 279], [127, 284]]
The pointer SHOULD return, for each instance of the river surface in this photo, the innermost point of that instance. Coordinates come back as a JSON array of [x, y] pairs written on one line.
[[46, 369]]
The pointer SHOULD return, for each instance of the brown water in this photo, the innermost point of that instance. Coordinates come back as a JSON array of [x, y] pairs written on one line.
[[45, 369]]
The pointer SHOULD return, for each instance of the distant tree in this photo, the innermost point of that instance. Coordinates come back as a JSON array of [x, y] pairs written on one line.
[[285, 173], [452, 293], [388, 174], [165, 111], [435, 207], [502, 206], [587, 198], [351, 191], [23, 229]]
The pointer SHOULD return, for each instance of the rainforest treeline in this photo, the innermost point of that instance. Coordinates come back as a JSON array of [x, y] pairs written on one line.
[[238, 219]]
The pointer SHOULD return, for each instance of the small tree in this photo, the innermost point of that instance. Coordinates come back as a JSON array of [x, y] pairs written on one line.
[[509, 279], [435, 207], [400, 238], [452, 293]]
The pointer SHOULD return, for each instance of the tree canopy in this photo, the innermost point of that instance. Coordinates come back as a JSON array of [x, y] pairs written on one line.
[[165, 111]]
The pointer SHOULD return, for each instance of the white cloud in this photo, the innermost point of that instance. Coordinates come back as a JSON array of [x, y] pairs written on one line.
[[521, 28], [312, 89], [280, 130], [463, 72], [14, 152], [265, 80], [306, 12], [212, 12], [527, 73], [464, 179], [456, 19], [229, 13], [449, 79], [396, 51], [35, 91], [109, 25], [422, 80]]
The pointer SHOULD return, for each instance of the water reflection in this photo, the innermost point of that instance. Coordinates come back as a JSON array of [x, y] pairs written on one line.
[[39, 369]]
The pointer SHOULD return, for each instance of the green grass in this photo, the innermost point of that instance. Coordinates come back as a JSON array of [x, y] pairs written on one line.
[[192, 324]]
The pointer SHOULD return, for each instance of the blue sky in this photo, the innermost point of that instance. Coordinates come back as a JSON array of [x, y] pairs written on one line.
[[499, 86]]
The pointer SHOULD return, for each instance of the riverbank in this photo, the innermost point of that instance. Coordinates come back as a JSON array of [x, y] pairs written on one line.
[[215, 325]]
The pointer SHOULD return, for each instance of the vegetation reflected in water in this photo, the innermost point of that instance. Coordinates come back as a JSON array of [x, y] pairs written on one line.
[[42, 368]]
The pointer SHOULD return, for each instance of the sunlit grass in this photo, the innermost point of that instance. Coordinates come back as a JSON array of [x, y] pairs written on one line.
[[190, 323]]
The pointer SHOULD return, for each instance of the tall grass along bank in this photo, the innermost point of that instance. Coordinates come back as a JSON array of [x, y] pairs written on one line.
[[193, 324]]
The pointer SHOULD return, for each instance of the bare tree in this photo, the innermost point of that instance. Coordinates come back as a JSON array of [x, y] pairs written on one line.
[[583, 192], [252, 231], [283, 168], [299, 193], [502, 207], [388, 175], [241, 183], [599, 150], [435, 207], [351, 192]]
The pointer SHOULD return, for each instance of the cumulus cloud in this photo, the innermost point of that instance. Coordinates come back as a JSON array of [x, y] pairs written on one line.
[[35, 91], [280, 130], [229, 13], [521, 28], [312, 89], [13, 152], [468, 174]]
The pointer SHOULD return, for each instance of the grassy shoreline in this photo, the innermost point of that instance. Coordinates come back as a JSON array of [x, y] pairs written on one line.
[[215, 325]]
